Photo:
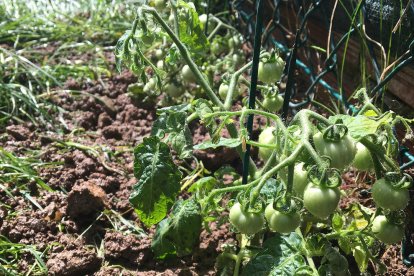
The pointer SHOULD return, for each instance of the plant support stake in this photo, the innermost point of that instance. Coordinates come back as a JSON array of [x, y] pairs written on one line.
[[253, 84]]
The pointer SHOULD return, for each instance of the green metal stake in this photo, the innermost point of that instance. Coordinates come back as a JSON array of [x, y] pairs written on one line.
[[253, 84]]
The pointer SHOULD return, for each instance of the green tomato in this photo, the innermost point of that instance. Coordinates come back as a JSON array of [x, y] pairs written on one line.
[[147, 39], [300, 178], [321, 201], [266, 137], [203, 21], [237, 60], [387, 196], [217, 48], [271, 72], [342, 153], [149, 86], [386, 231], [246, 222], [160, 4], [234, 42], [160, 64], [280, 222], [172, 90], [171, 19], [159, 54], [363, 159], [187, 74], [224, 88], [273, 103]]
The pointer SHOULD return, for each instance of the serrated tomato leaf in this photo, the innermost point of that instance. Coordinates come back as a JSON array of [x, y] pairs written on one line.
[[282, 255], [158, 181], [178, 234], [191, 31], [360, 126], [174, 123], [222, 142]]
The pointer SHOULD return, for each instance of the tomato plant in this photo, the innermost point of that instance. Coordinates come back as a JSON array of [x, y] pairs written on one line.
[[309, 152]]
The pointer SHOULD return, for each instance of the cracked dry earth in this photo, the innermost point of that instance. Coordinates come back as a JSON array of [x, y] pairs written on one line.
[[80, 223]]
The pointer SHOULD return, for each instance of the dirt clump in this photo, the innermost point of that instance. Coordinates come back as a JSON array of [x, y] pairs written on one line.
[[18, 132], [73, 262], [85, 199], [129, 249]]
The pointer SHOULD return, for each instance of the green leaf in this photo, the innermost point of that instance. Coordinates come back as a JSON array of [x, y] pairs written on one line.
[[178, 234], [337, 222], [333, 263], [174, 123], [190, 29], [203, 107], [122, 53], [222, 142], [345, 244], [281, 256], [271, 189], [203, 186], [360, 126], [361, 258], [158, 181]]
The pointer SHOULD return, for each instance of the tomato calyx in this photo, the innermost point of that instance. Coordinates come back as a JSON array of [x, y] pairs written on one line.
[[325, 177], [395, 217], [244, 200], [398, 180], [335, 132], [286, 204]]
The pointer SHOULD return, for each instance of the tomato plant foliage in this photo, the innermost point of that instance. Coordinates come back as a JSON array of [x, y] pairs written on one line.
[[159, 180], [197, 78]]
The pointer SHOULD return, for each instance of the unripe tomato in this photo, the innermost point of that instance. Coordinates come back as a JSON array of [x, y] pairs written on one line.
[[341, 152], [273, 103], [172, 90], [234, 42], [237, 60], [203, 21], [246, 222], [363, 159], [266, 137], [386, 231], [160, 64], [280, 222], [159, 54], [171, 19], [224, 88], [271, 72], [300, 178], [187, 74], [387, 196], [149, 86], [217, 47], [160, 4], [321, 201]]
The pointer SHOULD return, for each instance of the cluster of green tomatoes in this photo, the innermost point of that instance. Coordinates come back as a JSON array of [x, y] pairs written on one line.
[[317, 194]]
